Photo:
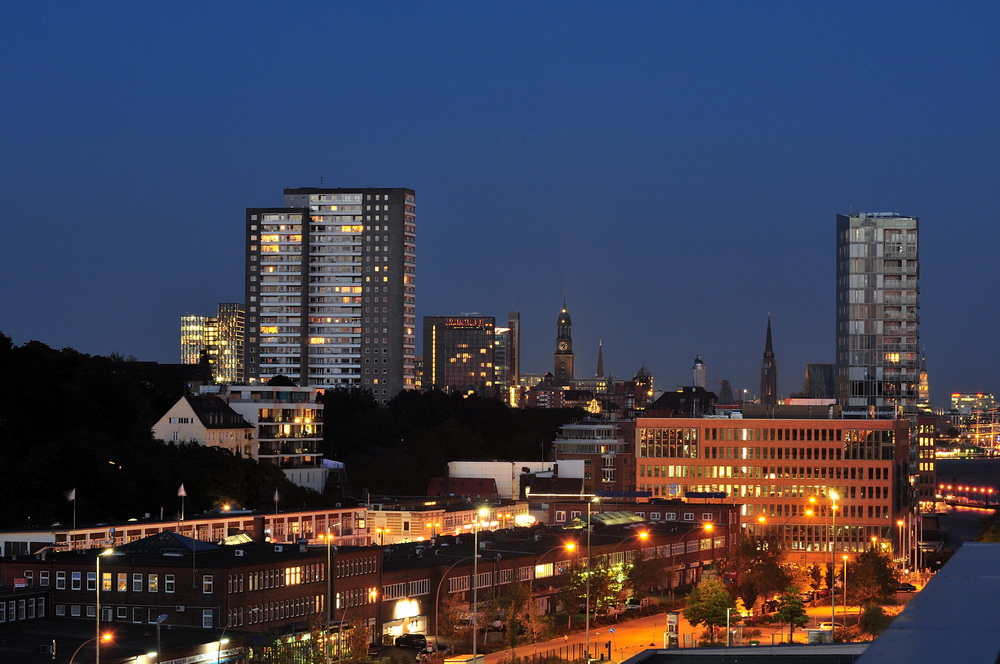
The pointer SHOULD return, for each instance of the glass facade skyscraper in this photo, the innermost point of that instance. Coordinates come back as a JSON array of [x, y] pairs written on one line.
[[878, 323]]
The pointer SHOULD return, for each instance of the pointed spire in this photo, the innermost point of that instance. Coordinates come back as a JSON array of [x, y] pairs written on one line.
[[768, 371], [600, 358], [768, 347]]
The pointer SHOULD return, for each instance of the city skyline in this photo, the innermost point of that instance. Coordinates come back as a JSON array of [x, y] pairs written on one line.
[[675, 171]]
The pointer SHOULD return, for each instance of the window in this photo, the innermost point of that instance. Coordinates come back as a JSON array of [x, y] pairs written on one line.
[[43, 578], [207, 584], [689, 516], [560, 516], [206, 618], [707, 516], [74, 610], [77, 580], [122, 582], [137, 582], [60, 610], [60, 580], [153, 583], [168, 583], [121, 613], [105, 581], [91, 580]]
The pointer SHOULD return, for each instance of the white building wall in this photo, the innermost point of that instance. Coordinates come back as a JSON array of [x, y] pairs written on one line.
[[507, 473]]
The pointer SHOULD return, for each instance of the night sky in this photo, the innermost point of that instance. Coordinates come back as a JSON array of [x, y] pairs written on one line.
[[674, 168]]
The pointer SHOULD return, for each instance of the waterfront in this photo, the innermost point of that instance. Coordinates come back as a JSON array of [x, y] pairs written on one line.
[[961, 524]]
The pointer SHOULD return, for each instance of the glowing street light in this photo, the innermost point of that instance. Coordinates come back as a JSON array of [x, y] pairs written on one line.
[[100, 637], [481, 514], [97, 586]]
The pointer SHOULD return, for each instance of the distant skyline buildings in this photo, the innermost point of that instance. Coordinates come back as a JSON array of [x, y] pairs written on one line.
[[331, 289], [877, 314], [459, 354], [219, 337]]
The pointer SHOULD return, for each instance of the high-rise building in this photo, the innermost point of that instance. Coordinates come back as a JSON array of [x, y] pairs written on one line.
[[562, 372], [699, 373], [196, 334], [330, 285], [878, 334], [458, 354], [219, 338], [768, 372]]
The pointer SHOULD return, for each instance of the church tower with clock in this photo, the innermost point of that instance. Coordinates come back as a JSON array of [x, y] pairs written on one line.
[[563, 358]]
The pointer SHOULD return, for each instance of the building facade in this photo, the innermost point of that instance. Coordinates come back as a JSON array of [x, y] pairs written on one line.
[[607, 448], [207, 420], [878, 324], [289, 428], [784, 473], [459, 354], [219, 338], [331, 289]]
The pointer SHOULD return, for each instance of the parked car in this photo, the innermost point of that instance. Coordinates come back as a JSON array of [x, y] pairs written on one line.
[[831, 625], [411, 641], [906, 588], [633, 604]]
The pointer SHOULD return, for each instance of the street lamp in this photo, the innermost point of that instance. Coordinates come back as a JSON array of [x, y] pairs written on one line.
[[159, 619], [97, 602], [98, 638], [834, 496], [900, 549], [845, 557], [437, 600], [590, 501], [330, 572], [481, 514]]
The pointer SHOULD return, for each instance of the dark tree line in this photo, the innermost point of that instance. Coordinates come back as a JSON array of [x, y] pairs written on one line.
[[74, 421], [398, 448]]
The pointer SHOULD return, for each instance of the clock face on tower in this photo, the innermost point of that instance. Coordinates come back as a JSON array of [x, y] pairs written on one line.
[[562, 345]]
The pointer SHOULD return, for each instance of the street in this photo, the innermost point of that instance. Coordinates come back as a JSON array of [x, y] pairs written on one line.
[[630, 637]]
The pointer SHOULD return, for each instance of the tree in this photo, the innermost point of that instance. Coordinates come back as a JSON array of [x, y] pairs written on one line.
[[873, 578], [707, 604], [509, 607], [989, 528], [760, 571], [644, 575], [874, 620], [357, 642], [791, 610], [536, 624], [815, 577]]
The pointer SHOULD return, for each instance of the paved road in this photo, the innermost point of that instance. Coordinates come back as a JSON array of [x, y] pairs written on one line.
[[633, 636]]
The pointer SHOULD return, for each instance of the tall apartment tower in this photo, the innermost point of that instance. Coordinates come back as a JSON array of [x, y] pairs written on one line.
[[878, 333], [330, 288]]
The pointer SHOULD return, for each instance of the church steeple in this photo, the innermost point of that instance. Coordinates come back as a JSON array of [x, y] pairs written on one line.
[[600, 359], [923, 386], [563, 358], [768, 372]]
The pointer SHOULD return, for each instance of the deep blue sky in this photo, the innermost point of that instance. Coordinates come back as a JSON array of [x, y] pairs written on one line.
[[676, 168]]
